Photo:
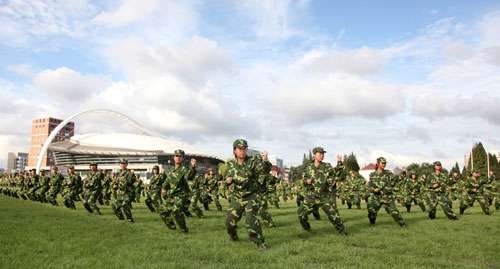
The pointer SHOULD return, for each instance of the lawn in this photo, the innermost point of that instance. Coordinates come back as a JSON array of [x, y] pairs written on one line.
[[34, 235]]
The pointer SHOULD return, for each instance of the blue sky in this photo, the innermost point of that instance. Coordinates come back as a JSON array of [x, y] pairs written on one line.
[[378, 78]]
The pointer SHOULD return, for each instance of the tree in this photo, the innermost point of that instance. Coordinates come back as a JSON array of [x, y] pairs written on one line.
[[455, 169], [478, 160], [351, 163]]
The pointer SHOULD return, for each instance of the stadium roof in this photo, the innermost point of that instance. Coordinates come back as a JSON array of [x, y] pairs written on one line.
[[124, 144]]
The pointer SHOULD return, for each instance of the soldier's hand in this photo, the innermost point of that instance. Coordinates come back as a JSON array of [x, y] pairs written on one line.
[[229, 180]]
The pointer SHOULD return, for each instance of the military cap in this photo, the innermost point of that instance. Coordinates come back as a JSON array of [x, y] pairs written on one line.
[[438, 163], [92, 163], [318, 149], [123, 160], [71, 167], [156, 167], [476, 171], [179, 152], [240, 143], [381, 160]]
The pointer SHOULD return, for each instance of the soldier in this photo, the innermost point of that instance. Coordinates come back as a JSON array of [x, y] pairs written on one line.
[[91, 189], [318, 179], [437, 186], [54, 186], [265, 188], [381, 194], [43, 187], [411, 190], [197, 194], [106, 187], [71, 185], [32, 185], [153, 190], [123, 186], [175, 192], [242, 178], [453, 187], [213, 188], [354, 185], [139, 188], [473, 192]]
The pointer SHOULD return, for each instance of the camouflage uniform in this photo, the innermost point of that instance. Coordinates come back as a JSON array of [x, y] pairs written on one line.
[[437, 186], [411, 191], [32, 186], [176, 195], [71, 186], [319, 194], [381, 194], [213, 190], [55, 186], [244, 194], [355, 188], [123, 186], [265, 198], [153, 191], [43, 187], [473, 192], [198, 194], [106, 188], [90, 191]]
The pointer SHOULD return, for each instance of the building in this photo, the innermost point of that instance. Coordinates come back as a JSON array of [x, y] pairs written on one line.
[[11, 162], [40, 131], [367, 170], [21, 161], [142, 152]]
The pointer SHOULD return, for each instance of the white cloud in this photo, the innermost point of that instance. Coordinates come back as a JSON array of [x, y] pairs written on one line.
[[67, 85], [23, 70], [318, 98], [129, 11]]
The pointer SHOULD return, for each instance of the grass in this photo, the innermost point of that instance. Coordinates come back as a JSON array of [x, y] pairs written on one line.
[[34, 235]]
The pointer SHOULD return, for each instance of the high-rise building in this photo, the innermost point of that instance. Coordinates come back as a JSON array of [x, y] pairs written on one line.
[[21, 161], [40, 131], [11, 162]]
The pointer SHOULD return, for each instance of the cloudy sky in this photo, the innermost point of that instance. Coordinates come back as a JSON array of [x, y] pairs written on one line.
[[411, 81]]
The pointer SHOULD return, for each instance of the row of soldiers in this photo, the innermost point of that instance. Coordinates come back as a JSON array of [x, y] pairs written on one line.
[[250, 185]]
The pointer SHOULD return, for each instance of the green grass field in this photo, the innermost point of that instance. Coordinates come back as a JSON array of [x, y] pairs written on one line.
[[34, 235]]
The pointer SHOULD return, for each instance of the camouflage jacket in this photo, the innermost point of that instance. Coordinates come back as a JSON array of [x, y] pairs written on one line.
[[56, 182], [381, 183], [437, 183], [156, 182], [176, 181], [72, 183], [248, 177], [93, 181], [323, 179], [124, 181]]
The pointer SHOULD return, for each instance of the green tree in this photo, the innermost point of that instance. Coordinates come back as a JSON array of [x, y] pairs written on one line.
[[351, 163]]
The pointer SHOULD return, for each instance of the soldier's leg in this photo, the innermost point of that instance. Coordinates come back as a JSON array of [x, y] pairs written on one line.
[[166, 214], [194, 205], [178, 213], [264, 214], [394, 212], [497, 201], [484, 205], [349, 201], [333, 215], [432, 206], [149, 202], [299, 199], [407, 203], [233, 215], [127, 207], [252, 223], [93, 203], [217, 202], [421, 203], [373, 208], [465, 202], [315, 212], [303, 211], [86, 202], [116, 205], [445, 205], [357, 201]]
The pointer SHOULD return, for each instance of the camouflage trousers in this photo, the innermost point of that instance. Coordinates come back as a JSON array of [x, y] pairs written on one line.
[[121, 204], [215, 197], [469, 199], [51, 196], [153, 201], [353, 199], [89, 198], [173, 209], [264, 214], [194, 204], [250, 207], [445, 203], [375, 202], [311, 202], [413, 199], [69, 199], [41, 194]]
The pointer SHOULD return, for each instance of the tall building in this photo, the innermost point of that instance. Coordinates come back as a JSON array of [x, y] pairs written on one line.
[[40, 131], [21, 161], [11, 162]]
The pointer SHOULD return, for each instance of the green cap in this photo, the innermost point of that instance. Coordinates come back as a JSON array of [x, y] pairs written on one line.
[[156, 167], [438, 163], [381, 160], [179, 152], [92, 163], [318, 149], [123, 160], [240, 143]]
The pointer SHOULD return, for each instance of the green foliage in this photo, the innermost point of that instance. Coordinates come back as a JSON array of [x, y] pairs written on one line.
[[35, 235], [351, 163]]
